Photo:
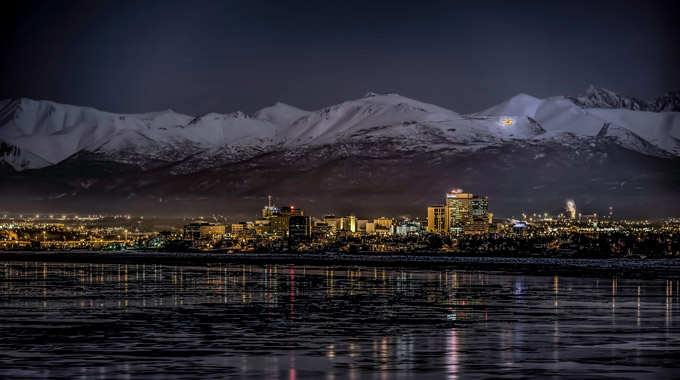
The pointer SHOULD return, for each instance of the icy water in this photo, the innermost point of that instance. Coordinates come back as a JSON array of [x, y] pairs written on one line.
[[111, 321]]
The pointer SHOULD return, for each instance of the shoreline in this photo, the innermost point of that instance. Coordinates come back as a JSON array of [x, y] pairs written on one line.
[[576, 267]]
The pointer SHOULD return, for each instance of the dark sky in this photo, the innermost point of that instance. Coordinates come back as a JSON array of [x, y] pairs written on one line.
[[217, 56]]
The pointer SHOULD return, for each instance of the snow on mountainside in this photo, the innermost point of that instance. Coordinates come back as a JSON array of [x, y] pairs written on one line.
[[595, 97], [36, 134], [279, 114], [654, 133], [52, 132]]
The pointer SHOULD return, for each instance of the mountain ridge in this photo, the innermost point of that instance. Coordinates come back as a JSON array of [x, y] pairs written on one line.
[[597, 97], [387, 145], [53, 132]]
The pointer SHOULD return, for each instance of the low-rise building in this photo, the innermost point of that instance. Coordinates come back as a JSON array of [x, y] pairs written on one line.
[[204, 231]]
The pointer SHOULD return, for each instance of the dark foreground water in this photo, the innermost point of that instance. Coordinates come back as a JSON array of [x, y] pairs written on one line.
[[100, 321]]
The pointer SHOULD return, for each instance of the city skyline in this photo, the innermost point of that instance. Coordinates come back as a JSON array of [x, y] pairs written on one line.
[[271, 207]]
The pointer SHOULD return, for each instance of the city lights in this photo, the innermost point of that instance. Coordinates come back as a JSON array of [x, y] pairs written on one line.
[[463, 224]]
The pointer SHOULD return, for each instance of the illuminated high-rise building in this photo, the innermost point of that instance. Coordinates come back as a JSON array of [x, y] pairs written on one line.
[[279, 220], [436, 219], [349, 223], [459, 210], [462, 213], [269, 210], [299, 227], [480, 216]]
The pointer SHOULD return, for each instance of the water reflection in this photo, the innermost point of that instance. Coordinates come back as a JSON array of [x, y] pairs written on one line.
[[452, 356], [295, 322]]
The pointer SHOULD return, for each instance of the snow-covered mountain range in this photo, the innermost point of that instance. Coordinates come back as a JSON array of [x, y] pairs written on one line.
[[167, 155]]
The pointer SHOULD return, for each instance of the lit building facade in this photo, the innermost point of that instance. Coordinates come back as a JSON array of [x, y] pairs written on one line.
[[436, 219], [262, 227], [299, 227], [349, 223], [269, 210], [333, 222], [462, 213], [280, 220], [204, 230], [385, 222], [459, 208]]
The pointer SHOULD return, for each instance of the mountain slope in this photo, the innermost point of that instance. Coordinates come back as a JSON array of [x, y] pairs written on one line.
[[559, 115], [595, 97], [368, 153]]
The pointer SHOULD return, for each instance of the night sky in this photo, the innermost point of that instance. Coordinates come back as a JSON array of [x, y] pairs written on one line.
[[215, 56]]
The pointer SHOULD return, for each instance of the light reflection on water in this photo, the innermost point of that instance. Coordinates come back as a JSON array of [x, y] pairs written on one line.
[[295, 322]]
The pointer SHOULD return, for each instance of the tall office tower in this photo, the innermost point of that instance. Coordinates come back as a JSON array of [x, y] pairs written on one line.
[[279, 221], [462, 213], [299, 227], [480, 206], [459, 206], [436, 219], [349, 223], [480, 216], [269, 210]]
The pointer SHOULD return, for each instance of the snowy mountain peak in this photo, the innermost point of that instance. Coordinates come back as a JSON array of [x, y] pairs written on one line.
[[670, 102], [596, 91], [36, 134], [239, 114], [597, 97], [279, 114]]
